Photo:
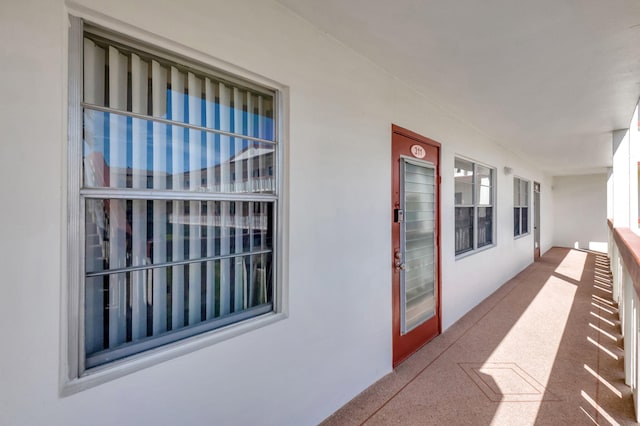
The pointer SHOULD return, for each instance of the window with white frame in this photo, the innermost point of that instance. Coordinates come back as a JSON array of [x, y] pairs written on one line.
[[474, 212], [173, 209], [520, 207]]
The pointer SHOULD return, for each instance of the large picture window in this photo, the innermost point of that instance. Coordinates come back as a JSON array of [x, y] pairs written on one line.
[[176, 199], [520, 207], [474, 200]]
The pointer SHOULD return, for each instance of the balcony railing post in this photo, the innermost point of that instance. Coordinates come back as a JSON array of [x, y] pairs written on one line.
[[620, 292], [627, 319], [636, 372], [624, 255], [618, 278]]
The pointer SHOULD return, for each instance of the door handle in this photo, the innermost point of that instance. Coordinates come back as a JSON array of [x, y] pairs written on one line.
[[398, 263]]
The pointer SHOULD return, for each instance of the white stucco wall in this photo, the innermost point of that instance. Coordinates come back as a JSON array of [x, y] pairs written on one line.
[[337, 338], [580, 211]]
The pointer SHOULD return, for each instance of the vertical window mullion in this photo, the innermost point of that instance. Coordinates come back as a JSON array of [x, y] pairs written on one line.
[[474, 199], [493, 209]]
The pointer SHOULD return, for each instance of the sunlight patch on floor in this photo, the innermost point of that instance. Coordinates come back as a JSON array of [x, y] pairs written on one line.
[[543, 321], [589, 416], [572, 266], [603, 349], [599, 409], [602, 308], [601, 331], [611, 323], [615, 391]]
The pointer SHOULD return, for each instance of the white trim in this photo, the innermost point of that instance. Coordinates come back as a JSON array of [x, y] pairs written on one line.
[[116, 369], [475, 251], [63, 367], [73, 211], [471, 160], [112, 25]]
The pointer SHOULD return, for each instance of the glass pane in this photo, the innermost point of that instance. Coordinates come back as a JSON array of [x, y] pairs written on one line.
[[463, 167], [484, 183], [133, 233], [516, 221], [485, 195], [137, 82], [419, 258], [463, 175], [485, 226], [484, 175], [464, 193], [524, 193], [464, 229], [137, 306], [525, 220], [516, 191], [125, 152]]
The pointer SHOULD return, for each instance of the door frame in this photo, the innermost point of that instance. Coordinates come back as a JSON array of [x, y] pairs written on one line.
[[437, 240], [536, 220]]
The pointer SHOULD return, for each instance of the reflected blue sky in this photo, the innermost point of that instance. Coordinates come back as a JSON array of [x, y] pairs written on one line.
[[101, 129]]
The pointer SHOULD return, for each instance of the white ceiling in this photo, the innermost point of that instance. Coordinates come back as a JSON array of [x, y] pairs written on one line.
[[548, 79]]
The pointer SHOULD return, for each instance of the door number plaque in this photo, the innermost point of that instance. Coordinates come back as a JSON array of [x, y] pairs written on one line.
[[418, 151]]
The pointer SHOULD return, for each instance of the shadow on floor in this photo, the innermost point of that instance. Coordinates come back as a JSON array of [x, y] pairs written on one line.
[[545, 348]]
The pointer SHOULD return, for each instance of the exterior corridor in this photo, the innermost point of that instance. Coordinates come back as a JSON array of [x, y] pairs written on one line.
[[544, 349]]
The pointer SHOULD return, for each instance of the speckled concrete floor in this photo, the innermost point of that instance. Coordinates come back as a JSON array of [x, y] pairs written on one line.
[[544, 349]]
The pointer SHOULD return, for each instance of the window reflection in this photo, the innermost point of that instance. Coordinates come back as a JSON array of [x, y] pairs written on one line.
[[214, 162]]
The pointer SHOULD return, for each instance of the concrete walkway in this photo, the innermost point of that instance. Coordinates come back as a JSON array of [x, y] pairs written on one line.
[[544, 349]]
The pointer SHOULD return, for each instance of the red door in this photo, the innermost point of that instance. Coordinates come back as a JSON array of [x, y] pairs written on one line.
[[416, 246]]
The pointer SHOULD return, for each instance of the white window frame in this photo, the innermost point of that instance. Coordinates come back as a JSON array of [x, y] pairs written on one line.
[[476, 205], [73, 376], [516, 205]]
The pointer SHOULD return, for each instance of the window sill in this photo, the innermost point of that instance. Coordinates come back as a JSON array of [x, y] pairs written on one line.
[[116, 369], [472, 252], [517, 237]]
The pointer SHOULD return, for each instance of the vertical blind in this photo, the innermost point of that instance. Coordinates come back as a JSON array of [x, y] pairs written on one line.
[[179, 197]]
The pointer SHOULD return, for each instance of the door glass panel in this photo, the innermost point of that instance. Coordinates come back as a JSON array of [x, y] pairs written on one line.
[[418, 287]]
